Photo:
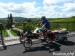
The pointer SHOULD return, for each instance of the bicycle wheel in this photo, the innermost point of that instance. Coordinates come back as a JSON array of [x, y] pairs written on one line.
[[28, 43]]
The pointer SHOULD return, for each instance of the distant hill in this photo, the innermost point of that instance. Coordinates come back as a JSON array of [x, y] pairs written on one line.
[[70, 19], [19, 19], [22, 19]]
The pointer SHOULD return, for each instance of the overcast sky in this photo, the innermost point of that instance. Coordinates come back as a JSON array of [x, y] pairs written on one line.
[[37, 8]]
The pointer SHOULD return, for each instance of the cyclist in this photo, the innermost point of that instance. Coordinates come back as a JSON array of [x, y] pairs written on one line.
[[45, 23], [45, 26]]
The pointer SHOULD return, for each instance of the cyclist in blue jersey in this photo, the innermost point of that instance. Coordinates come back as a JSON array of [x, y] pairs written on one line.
[[45, 27], [45, 23]]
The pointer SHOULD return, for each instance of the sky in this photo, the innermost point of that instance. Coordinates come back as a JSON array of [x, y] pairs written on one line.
[[37, 8]]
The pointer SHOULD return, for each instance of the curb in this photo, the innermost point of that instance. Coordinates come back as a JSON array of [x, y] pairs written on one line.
[[16, 42]]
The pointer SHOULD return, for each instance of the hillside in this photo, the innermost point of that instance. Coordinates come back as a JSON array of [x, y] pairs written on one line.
[[71, 19], [22, 19]]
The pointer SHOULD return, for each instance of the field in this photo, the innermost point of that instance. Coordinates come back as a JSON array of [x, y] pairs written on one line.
[[67, 23], [63, 23]]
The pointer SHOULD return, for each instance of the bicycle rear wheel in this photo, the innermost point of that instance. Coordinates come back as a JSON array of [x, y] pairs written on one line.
[[28, 43]]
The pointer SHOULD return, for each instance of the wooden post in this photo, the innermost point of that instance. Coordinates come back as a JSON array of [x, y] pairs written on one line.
[[2, 39]]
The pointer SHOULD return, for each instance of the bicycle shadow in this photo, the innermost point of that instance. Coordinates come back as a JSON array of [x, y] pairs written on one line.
[[57, 46], [33, 49], [67, 43], [45, 47]]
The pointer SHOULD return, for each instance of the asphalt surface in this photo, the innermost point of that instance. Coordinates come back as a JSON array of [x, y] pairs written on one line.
[[39, 49]]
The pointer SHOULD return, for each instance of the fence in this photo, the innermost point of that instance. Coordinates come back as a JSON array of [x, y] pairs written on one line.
[[70, 26]]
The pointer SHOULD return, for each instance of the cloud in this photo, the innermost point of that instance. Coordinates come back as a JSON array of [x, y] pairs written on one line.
[[50, 8], [70, 6], [59, 8], [25, 9]]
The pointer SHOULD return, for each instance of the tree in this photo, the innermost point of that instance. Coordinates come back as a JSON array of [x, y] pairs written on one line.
[[9, 21]]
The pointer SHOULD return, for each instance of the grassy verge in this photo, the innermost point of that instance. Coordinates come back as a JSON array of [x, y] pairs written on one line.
[[5, 34], [13, 33]]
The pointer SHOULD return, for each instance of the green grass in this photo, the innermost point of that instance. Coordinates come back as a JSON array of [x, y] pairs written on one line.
[[68, 23], [69, 26], [5, 34], [13, 33]]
